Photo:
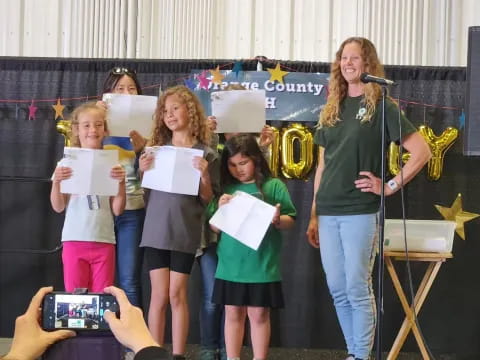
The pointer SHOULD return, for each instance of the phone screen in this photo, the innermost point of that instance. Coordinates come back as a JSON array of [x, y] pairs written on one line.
[[76, 311]]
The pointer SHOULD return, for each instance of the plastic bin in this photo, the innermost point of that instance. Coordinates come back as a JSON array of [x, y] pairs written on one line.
[[422, 235]]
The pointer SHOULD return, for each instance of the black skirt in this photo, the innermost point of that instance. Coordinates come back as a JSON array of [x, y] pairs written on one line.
[[248, 294]]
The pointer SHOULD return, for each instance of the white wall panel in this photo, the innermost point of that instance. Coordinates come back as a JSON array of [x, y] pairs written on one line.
[[11, 27], [40, 27], [274, 29], [406, 32], [312, 28], [175, 28], [234, 30]]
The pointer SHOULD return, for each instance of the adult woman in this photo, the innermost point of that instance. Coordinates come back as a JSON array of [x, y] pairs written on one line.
[[129, 225], [347, 186]]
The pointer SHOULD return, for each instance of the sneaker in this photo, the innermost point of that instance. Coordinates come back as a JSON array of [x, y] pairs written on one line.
[[222, 354], [207, 354], [129, 355]]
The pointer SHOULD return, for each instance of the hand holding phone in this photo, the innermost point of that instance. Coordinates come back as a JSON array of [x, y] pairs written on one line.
[[130, 328], [30, 340]]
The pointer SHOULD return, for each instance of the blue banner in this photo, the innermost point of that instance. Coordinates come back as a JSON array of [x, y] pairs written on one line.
[[300, 98]]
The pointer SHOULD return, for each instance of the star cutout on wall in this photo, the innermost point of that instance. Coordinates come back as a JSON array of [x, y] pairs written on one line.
[[189, 83], [277, 74], [32, 109], [58, 107], [217, 77], [203, 81], [456, 213]]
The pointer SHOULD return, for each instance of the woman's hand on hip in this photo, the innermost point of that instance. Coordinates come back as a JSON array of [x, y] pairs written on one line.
[[369, 183]]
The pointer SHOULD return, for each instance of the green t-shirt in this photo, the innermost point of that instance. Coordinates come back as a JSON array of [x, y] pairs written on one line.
[[239, 263], [350, 147]]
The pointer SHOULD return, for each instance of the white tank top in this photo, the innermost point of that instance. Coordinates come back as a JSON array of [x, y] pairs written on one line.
[[89, 218]]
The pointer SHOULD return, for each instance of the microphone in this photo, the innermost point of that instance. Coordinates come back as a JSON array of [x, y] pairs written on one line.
[[367, 78]]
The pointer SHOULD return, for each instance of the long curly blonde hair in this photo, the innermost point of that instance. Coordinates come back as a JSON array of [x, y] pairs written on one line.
[[196, 117], [89, 106], [338, 86]]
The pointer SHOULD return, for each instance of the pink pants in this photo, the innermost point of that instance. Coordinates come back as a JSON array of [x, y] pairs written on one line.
[[88, 265]]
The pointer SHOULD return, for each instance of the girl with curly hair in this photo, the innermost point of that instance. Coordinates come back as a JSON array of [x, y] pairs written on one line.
[[173, 222]]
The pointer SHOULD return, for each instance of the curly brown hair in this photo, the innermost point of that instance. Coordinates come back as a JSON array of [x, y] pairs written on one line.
[[338, 86], [89, 106], [196, 117]]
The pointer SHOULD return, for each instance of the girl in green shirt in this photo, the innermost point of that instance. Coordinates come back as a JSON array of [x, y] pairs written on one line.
[[248, 281]]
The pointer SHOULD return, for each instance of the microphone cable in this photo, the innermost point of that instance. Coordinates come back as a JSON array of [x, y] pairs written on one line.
[[24, 179], [407, 258], [32, 251]]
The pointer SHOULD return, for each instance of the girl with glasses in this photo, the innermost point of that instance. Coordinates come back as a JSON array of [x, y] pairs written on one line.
[[129, 225]]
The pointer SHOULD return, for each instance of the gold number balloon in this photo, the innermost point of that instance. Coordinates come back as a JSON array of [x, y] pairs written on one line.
[[439, 146], [274, 152], [290, 168], [64, 127], [393, 158]]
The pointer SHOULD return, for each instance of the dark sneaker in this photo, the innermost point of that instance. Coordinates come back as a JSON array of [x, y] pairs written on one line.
[[207, 354], [222, 354]]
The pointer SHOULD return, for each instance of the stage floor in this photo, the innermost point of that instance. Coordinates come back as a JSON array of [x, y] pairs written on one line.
[[279, 353]]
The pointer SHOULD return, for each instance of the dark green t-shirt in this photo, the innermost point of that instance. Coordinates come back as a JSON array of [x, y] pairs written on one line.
[[239, 263], [350, 147]]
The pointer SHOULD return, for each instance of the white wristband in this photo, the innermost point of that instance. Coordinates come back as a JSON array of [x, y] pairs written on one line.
[[392, 184]]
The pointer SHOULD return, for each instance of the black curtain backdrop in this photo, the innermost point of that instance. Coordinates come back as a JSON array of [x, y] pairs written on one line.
[[29, 149]]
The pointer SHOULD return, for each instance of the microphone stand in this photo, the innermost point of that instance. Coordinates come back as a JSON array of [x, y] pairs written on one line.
[[381, 235]]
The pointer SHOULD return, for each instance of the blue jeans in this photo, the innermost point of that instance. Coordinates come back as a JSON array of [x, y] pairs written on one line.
[[128, 231], [347, 248], [212, 316]]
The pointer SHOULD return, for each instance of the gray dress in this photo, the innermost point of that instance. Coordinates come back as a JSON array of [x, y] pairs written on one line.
[[174, 221]]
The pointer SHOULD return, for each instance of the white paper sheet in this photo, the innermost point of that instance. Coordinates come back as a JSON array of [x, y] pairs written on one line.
[[239, 110], [244, 217], [90, 172], [172, 170], [130, 112]]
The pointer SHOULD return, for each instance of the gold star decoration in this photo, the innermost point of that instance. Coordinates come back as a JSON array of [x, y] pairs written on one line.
[[456, 213], [58, 109], [277, 74], [217, 76]]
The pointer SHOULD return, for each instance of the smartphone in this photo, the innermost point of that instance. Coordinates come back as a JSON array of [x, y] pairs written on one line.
[[62, 310]]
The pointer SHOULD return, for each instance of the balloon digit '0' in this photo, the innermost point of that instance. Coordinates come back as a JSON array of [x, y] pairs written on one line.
[[64, 127], [290, 168], [273, 152]]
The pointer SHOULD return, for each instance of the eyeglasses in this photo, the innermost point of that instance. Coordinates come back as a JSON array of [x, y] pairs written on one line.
[[122, 71]]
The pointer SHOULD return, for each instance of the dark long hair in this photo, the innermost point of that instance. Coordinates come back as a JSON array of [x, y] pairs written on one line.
[[114, 76], [246, 145]]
